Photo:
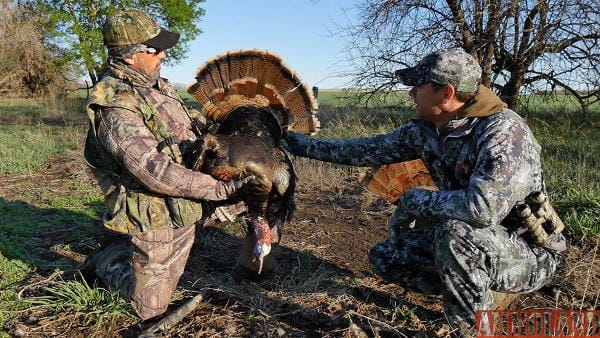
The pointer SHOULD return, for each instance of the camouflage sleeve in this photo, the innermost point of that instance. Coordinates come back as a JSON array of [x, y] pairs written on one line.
[[395, 146], [125, 137], [507, 169]]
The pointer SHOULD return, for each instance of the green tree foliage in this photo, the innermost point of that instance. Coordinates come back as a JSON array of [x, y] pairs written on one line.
[[76, 26]]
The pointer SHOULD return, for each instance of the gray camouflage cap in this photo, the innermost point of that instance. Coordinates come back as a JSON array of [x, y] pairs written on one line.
[[132, 26], [447, 66]]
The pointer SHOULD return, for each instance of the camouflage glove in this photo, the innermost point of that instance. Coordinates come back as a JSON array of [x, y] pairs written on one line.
[[224, 189], [296, 143], [399, 219]]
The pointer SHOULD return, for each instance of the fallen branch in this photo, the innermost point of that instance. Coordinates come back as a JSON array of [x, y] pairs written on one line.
[[381, 325], [178, 314], [55, 274], [174, 317]]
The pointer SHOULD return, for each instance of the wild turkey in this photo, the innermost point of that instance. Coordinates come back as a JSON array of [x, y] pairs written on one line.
[[255, 98]]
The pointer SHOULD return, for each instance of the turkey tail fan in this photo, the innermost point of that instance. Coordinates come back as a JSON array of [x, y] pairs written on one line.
[[255, 77]]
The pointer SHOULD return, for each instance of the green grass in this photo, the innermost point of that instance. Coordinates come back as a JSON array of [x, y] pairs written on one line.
[[19, 108], [363, 99], [571, 161], [79, 297], [54, 111], [555, 105], [47, 214], [27, 236], [29, 223], [92, 306], [25, 149]]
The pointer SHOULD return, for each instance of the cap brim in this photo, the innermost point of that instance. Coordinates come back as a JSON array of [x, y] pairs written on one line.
[[407, 76], [164, 40]]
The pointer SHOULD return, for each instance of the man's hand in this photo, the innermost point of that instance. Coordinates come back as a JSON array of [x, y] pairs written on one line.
[[224, 189], [399, 219]]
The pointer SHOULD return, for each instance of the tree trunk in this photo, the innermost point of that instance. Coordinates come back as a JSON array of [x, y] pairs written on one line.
[[510, 91], [93, 76], [510, 94]]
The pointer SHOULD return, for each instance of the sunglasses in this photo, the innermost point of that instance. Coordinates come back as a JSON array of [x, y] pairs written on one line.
[[151, 50]]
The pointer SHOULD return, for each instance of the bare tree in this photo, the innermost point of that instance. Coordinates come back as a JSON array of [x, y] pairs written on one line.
[[522, 46]]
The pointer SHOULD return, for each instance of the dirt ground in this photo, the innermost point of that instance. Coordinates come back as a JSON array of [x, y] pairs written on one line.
[[322, 286]]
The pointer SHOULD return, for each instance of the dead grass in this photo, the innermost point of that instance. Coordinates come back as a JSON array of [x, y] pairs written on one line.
[[321, 288]]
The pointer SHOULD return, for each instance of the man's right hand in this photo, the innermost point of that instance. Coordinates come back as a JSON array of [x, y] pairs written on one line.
[[224, 189], [398, 222]]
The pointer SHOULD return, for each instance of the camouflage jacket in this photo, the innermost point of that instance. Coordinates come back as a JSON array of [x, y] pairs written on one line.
[[482, 165], [141, 183]]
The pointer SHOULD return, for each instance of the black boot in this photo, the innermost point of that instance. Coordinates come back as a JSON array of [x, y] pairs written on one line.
[[109, 267]]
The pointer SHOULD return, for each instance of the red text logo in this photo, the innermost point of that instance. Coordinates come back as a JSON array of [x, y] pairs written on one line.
[[537, 323]]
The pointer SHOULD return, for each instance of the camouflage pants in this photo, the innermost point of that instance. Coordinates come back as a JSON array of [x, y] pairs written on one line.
[[158, 261], [147, 269], [463, 264]]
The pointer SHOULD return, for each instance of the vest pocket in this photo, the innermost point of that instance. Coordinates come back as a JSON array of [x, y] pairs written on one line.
[[184, 212], [130, 212], [147, 211], [115, 217]]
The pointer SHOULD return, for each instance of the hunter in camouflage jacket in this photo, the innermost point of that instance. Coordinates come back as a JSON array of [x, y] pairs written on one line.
[[127, 126], [484, 161], [139, 136]]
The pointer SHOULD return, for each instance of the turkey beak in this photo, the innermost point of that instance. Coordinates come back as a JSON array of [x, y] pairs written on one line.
[[260, 252]]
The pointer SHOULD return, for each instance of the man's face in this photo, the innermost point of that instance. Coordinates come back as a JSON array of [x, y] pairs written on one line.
[[428, 101], [148, 63]]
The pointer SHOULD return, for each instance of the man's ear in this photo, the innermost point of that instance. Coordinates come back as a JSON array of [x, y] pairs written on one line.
[[449, 92], [129, 60]]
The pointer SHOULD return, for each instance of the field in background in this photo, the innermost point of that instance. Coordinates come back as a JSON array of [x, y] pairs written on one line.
[[570, 152], [50, 207], [571, 155]]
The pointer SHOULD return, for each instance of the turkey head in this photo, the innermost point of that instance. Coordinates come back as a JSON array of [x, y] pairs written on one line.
[[255, 99]]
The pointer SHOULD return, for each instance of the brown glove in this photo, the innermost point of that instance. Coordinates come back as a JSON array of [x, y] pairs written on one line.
[[390, 181]]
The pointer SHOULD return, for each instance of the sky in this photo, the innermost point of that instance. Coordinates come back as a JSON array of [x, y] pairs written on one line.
[[299, 31]]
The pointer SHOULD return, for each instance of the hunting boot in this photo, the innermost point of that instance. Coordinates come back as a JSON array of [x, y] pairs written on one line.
[[109, 267]]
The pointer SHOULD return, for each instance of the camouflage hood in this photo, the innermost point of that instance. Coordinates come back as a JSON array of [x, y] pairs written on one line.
[[485, 103], [112, 92]]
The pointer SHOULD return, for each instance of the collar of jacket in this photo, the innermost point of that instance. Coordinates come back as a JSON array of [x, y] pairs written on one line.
[[485, 103]]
